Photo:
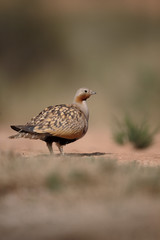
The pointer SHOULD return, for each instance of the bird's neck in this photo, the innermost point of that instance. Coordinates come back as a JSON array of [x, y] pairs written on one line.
[[83, 106]]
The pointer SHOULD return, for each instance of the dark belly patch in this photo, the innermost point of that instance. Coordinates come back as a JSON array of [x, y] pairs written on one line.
[[61, 141]]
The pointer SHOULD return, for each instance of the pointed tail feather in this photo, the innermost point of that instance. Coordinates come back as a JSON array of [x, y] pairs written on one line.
[[16, 128], [24, 131], [23, 128]]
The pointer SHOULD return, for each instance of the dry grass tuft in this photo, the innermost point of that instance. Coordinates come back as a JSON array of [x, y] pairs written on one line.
[[139, 135]]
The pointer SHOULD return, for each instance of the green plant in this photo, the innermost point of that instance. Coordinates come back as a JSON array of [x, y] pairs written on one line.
[[54, 182], [139, 135]]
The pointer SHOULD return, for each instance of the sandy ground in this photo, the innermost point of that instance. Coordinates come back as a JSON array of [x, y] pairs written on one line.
[[95, 143]]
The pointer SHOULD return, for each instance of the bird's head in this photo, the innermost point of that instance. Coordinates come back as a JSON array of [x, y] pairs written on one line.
[[82, 94]]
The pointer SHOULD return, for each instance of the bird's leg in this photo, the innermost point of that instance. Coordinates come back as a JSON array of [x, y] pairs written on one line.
[[60, 147], [49, 145]]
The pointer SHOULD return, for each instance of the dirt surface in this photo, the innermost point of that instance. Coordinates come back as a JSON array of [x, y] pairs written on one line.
[[97, 142]]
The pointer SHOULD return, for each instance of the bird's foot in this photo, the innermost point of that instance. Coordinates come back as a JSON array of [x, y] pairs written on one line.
[[60, 147]]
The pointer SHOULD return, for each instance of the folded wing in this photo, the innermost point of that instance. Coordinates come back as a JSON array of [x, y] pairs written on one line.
[[65, 121]]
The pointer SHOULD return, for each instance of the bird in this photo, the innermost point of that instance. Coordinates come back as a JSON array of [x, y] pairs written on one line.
[[62, 124]]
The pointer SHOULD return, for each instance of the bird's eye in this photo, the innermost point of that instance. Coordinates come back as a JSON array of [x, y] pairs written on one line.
[[85, 91]]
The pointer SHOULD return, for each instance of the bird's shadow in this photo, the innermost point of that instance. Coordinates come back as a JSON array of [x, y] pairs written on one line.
[[86, 154], [93, 154]]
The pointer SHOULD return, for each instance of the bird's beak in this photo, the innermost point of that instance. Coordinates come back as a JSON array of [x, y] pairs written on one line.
[[92, 93]]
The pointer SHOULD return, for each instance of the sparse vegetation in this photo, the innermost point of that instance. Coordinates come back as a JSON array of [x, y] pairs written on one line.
[[75, 193], [146, 180], [80, 177], [140, 135], [18, 173], [54, 182]]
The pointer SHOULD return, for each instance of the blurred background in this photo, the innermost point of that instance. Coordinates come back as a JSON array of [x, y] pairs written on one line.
[[48, 49]]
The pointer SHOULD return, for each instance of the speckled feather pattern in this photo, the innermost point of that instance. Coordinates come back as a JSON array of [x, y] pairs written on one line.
[[66, 121]]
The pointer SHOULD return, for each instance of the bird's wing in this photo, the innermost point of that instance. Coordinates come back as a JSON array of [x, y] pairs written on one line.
[[65, 121]]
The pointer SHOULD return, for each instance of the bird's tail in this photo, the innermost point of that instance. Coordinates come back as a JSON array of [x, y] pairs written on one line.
[[18, 129], [24, 132], [19, 135]]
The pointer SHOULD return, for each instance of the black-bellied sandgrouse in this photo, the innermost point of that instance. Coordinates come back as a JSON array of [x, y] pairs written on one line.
[[62, 124]]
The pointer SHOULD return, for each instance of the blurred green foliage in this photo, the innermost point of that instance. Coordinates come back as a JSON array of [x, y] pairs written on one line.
[[138, 134], [54, 182]]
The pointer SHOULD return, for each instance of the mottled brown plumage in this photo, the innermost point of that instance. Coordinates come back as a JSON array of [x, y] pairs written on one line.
[[62, 124]]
